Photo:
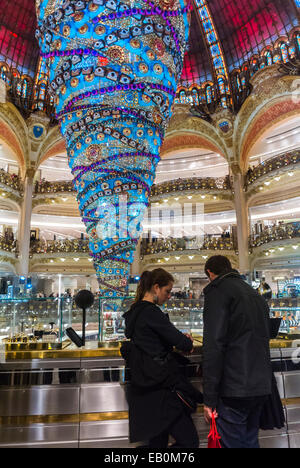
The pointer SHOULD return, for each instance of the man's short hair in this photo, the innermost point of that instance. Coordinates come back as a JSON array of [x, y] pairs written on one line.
[[218, 264]]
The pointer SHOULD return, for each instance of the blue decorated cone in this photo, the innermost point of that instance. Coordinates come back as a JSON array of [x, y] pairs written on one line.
[[114, 70]]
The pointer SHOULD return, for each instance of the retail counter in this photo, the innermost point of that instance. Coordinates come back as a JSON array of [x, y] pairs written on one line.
[[77, 398]]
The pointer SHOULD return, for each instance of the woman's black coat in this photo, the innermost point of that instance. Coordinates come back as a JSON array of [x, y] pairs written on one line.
[[152, 411]]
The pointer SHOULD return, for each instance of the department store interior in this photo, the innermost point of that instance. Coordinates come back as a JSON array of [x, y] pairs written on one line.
[[227, 183]]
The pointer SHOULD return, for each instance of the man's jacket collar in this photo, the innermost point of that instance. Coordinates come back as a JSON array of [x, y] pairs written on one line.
[[219, 279]]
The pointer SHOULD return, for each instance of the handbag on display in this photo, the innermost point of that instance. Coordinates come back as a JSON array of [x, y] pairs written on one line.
[[214, 439]]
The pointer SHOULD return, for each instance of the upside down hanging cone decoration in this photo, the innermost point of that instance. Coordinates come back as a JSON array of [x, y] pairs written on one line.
[[114, 67]]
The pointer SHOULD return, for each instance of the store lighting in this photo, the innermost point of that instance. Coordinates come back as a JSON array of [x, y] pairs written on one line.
[[291, 174], [191, 257], [277, 179], [75, 259], [203, 196], [267, 183], [167, 259], [177, 258], [63, 259], [281, 248], [295, 247], [190, 197]]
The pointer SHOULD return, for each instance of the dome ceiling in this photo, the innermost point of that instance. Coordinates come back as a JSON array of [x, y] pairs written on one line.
[[243, 28]]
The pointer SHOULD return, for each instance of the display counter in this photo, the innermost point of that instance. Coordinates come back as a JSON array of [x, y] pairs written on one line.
[[77, 398]]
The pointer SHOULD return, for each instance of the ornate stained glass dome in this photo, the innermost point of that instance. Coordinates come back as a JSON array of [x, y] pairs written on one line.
[[229, 42]]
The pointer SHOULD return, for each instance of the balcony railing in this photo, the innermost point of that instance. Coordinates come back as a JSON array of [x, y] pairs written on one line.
[[178, 185], [272, 165], [12, 181], [182, 244], [275, 233], [59, 246], [195, 183]]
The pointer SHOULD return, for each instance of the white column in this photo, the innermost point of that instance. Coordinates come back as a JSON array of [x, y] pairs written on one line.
[[25, 225], [242, 219]]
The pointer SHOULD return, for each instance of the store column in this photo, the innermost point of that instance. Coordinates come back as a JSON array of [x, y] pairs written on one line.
[[25, 224], [242, 220]]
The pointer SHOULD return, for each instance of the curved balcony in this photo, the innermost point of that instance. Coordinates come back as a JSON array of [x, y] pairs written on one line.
[[184, 244], [275, 233], [283, 162], [191, 185], [8, 244], [11, 183], [60, 246]]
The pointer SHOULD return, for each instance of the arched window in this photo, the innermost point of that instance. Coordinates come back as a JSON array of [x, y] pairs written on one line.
[[269, 58], [254, 66], [41, 95], [209, 94], [4, 73], [222, 86], [195, 97], [238, 82], [284, 52], [19, 88], [297, 41], [182, 97], [25, 88]]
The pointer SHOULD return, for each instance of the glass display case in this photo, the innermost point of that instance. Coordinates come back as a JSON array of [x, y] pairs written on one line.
[[47, 319]]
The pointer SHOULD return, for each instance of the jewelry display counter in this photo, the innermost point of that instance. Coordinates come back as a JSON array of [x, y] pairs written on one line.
[[77, 398]]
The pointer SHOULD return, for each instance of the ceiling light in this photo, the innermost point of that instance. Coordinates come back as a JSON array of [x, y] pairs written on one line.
[[267, 183], [295, 247], [75, 259], [191, 257], [167, 259], [176, 199], [166, 201], [203, 196], [281, 248], [205, 257], [291, 174], [63, 259], [277, 179], [190, 197], [177, 258]]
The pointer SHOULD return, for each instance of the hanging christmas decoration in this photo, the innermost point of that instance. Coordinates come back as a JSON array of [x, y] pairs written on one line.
[[114, 68]]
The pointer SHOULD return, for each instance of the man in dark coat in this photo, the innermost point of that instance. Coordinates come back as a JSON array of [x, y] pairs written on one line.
[[236, 356]]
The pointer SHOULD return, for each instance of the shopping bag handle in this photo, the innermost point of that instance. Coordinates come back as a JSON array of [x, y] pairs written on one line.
[[213, 429]]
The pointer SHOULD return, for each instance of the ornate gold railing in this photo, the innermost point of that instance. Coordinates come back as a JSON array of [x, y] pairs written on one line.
[[11, 180], [275, 233], [60, 246], [271, 165], [182, 244]]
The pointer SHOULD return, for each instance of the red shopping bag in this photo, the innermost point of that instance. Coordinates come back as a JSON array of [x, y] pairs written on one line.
[[213, 436]]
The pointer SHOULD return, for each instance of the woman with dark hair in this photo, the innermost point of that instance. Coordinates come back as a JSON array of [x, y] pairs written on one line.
[[155, 407]]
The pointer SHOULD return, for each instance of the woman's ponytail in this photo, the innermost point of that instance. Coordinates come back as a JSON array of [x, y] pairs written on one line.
[[150, 278], [144, 285]]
